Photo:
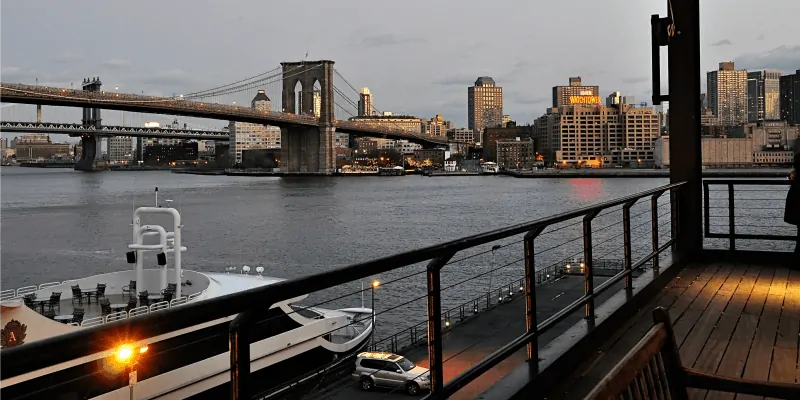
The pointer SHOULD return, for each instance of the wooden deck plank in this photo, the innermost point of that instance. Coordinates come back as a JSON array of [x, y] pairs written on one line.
[[711, 355], [695, 287], [701, 330], [760, 357], [784, 366], [735, 357], [616, 347], [689, 320], [734, 320], [687, 285]]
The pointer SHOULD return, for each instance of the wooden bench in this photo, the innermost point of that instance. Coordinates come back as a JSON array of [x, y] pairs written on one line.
[[653, 370]]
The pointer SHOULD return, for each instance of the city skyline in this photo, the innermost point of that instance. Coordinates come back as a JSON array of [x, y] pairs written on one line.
[[141, 57]]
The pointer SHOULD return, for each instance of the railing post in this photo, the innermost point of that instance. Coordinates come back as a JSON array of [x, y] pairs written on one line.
[[731, 218], [654, 229], [587, 263], [530, 296], [435, 323], [673, 200], [706, 209], [238, 336], [626, 231]]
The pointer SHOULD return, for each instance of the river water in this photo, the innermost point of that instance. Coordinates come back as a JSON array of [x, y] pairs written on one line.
[[60, 224]]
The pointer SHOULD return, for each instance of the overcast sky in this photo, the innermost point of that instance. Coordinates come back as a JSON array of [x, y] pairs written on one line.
[[416, 56]]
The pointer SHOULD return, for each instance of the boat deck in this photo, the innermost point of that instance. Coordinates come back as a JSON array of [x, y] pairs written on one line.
[[92, 309], [733, 319]]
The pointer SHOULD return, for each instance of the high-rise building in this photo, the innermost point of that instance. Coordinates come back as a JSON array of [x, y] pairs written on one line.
[[727, 94], [120, 149], [790, 98], [596, 135], [247, 136], [615, 98], [436, 126], [365, 108], [575, 93], [763, 95], [485, 105]]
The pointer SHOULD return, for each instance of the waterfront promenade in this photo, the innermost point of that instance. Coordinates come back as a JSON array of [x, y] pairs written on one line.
[[473, 339]]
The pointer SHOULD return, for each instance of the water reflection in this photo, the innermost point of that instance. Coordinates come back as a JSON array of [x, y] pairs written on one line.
[[587, 189]]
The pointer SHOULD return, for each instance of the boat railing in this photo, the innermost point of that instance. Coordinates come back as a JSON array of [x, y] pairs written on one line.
[[47, 285], [178, 302], [138, 311], [8, 294], [116, 316], [159, 306], [94, 321]]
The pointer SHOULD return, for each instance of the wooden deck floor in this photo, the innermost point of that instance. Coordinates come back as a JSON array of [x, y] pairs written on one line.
[[732, 319]]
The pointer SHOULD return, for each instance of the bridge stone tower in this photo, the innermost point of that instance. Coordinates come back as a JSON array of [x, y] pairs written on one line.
[[91, 155], [309, 149]]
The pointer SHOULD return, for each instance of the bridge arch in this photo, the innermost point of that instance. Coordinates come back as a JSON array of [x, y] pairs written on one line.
[[308, 73]]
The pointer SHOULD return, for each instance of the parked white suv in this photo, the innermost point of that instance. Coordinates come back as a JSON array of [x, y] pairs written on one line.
[[392, 371]]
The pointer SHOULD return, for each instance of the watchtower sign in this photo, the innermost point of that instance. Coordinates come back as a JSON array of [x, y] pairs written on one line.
[[13, 334]]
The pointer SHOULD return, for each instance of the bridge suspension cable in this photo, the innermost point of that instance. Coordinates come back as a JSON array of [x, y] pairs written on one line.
[[277, 77], [338, 74], [272, 71]]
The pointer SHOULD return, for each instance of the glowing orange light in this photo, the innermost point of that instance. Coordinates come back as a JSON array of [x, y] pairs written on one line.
[[143, 349], [124, 353], [375, 283]]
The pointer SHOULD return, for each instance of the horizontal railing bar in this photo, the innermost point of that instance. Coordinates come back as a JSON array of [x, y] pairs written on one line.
[[749, 182], [69, 346], [749, 236], [649, 257]]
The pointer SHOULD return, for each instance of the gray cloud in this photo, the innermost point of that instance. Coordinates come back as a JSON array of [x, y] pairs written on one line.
[[723, 42], [116, 63], [461, 80], [519, 98], [636, 79], [784, 58], [388, 39], [65, 57], [760, 37], [171, 78]]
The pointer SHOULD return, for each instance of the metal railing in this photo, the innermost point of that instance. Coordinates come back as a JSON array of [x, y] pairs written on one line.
[[249, 306], [746, 209], [506, 292]]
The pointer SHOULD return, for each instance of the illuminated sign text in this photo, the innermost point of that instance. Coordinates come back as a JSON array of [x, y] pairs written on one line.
[[584, 99]]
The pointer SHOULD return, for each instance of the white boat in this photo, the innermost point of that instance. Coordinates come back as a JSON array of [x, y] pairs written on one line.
[[490, 168], [297, 342]]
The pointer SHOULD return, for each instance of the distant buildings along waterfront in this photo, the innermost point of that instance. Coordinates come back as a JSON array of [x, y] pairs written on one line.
[[38, 146], [575, 93], [727, 94], [247, 136], [763, 95], [484, 105], [594, 135], [790, 98]]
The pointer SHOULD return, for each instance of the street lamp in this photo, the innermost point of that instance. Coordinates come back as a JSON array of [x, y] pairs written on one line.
[[127, 356], [374, 286]]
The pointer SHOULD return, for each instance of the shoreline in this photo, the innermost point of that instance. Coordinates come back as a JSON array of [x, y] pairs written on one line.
[[652, 173]]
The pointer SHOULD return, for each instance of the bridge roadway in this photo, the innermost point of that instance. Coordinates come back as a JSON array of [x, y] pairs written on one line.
[[42, 95], [77, 130], [477, 337]]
